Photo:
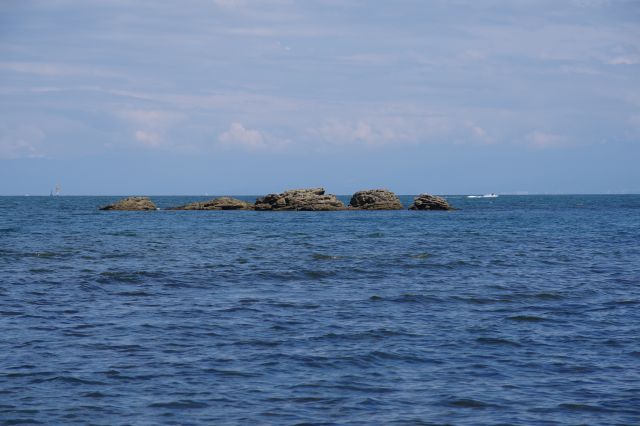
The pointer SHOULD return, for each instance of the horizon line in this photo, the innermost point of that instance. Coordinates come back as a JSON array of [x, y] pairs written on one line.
[[515, 194]]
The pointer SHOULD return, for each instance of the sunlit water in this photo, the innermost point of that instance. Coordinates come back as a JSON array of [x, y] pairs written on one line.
[[514, 310]]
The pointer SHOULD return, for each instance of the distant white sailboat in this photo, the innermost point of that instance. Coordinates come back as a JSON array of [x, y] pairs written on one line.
[[55, 192]]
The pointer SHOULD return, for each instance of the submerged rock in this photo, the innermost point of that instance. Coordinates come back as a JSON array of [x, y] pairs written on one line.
[[221, 203], [313, 199], [375, 199], [132, 203], [430, 202]]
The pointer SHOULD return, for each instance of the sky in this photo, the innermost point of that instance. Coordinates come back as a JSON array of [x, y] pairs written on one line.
[[155, 97]]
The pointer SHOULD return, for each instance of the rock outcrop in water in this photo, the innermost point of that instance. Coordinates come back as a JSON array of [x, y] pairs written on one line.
[[313, 199], [132, 203], [430, 202], [375, 199], [221, 203]]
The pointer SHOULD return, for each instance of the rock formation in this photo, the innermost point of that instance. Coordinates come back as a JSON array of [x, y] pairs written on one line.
[[221, 203], [430, 202], [131, 203], [300, 199], [375, 199]]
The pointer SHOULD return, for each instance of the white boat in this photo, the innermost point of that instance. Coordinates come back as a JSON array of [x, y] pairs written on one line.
[[492, 195]]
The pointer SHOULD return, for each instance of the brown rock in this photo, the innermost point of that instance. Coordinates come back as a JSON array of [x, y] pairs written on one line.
[[375, 199], [221, 203], [132, 203], [313, 199], [430, 202]]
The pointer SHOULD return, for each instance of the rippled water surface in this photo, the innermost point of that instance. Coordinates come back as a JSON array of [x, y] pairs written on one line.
[[515, 310]]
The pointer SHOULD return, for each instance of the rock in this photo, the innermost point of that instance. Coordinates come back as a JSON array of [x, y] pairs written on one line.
[[131, 203], [313, 199], [430, 202], [221, 203], [375, 199]]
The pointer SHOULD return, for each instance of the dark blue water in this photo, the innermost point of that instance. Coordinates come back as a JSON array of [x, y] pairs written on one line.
[[515, 310]]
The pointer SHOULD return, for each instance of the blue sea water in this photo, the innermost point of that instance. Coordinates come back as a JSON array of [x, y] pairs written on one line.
[[514, 310]]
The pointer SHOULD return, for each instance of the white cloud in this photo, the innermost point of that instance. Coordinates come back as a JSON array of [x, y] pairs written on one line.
[[342, 132], [151, 127], [152, 140], [579, 69], [382, 129], [238, 136], [542, 140], [478, 133], [23, 141], [624, 60]]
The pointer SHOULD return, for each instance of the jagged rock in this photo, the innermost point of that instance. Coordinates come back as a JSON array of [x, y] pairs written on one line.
[[313, 199], [131, 203], [221, 203], [375, 199], [430, 202]]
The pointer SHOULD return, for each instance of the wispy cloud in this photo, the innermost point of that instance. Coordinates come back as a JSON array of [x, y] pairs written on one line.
[[150, 127], [22, 141], [478, 133], [382, 130], [543, 140], [49, 69], [624, 60], [240, 137]]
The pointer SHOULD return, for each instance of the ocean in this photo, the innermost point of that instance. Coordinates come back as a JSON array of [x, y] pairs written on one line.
[[512, 310]]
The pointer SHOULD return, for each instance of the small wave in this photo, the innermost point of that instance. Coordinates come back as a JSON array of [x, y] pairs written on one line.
[[375, 235], [41, 270], [496, 341], [69, 379], [18, 375], [11, 313], [548, 296], [124, 234], [469, 403], [134, 294], [394, 356], [526, 318], [239, 309], [127, 276], [46, 254], [115, 255], [316, 273], [230, 373], [582, 407], [294, 305], [316, 399], [119, 348], [422, 255], [179, 405], [9, 422], [94, 395], [479, 300], [320, 256], [256, 342], [415, 298]]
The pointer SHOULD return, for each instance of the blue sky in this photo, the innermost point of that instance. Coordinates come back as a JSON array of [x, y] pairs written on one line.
[[249, 97]]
